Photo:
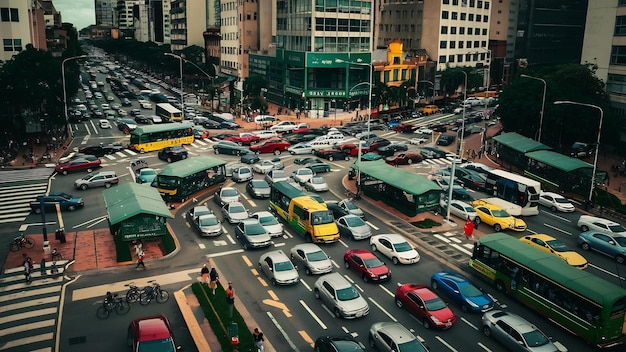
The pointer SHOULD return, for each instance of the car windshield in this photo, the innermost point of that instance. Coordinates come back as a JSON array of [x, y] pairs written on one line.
[[208, 220], [163, 345], [535, 338], [237, 209], [347, 294], [354, 221], [322, 217], [561, 200], [558, 246], [470, 291], [283, 266], [373, 263], [305, 172], [621, 241], [402, 247], [411, 346], [229, 192], [435, 304], [316, 256], [168, 182], [616, 228], [500, 213], [278, 174], [260, 184], [351, 206], [147, 172], [317, 180], [254, 229], [268, 220]]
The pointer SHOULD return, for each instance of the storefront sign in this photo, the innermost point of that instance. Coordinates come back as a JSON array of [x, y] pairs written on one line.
[[325, 93]]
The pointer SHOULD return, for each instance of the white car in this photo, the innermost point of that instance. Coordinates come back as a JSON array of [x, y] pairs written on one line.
[[302, 175], [105, 106], [104, 124], [316, 184], [266, 134], [278, 268], [145, 105], [264, 166], [301, 148], [269, 222], [424, 130], [556, 202], [586, 223], [122, 112], [458, 208], [312, 258], [283, 126], [418, 141], [395, 247]]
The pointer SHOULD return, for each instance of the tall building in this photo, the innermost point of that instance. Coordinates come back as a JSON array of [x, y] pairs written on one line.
[[21, 23], [239, 30], [153, 21], [188, 23], [126, 14], [106, 14], [398, 21]]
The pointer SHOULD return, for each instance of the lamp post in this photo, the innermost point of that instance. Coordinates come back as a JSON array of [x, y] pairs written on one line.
[[369, 114], [182, 93], [543, 103], [334, 101], [63, 79], [487, 83], [212, 78], [451, 185], [595, 160]]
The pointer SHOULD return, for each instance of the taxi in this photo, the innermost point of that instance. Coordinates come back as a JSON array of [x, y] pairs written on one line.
[[497, 217], [555, 247]]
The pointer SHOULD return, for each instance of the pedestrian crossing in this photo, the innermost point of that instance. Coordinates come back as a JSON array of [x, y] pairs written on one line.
[[15, 200], [29, 311]]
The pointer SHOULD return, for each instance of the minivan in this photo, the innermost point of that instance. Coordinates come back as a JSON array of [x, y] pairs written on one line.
[[99, 179]]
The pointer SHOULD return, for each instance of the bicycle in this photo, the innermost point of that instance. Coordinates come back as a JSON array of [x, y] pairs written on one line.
[[153, 292], [20, 242], [133, 293], [117, 305]]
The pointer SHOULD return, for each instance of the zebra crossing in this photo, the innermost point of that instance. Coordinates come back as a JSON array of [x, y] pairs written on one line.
[[17, 189], [29, 311]]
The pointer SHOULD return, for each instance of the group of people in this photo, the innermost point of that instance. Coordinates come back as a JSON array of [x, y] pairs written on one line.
[[211, 278]]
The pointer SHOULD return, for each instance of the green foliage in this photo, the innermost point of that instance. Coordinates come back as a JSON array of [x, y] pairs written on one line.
[[216, 311], [168, 243], [452, 79], [426, 223], [253, 84]]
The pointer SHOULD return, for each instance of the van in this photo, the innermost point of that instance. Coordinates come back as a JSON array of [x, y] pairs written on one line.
[[264, 119], [99, 179]]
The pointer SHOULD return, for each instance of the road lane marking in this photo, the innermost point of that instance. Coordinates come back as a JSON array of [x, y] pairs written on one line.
[[383, 309], [484, 347], [26, 315], [372, 226], [556, 216], [386, 290], [306, 285], [278, 305], [317, 319], [201, 245], [246, 260], [90, 221], [27, 327], [221, 254], [446, 344], [283, 332], [306, 338], [27, 340], [606, 271], [273, 295], [556, 229], [230, 238], [461, 249], [335, 263], [262, 282], [469, 323], [38, 301]]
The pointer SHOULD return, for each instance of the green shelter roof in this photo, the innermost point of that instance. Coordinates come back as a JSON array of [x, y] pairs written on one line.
[[520, 143], [160, 127], [558, 161], [190, 166], [407, 181], [127, 200]]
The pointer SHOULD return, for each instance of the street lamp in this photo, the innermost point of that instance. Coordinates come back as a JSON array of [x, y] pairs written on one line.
[[212, 78], [369, 114], [595, 160], [182, 93], [543, 102], [63, 79], [451, 185], [487, 83], [334, 101]]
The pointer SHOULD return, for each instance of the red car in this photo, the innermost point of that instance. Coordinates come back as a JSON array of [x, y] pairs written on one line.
[[374, 143], [273, 145], [244, 139], [150, 333], [405, 128], [404, 159], [87, 162], [425, 305], [352, 150], [366, 265], [301, 128]]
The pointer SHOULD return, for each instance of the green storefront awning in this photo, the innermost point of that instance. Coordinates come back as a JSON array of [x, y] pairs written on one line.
[[558, 161], [520, 143], [128, 200], [407, 181]]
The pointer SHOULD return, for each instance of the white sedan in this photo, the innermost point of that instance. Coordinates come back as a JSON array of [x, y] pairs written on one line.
[[556, 202], [264, 166], [418, 141], [394, 247], [104, 124], [586, 223], [301, 148], [283, 126], [145, 105], [316, 184], [424, 130], [459, 209]]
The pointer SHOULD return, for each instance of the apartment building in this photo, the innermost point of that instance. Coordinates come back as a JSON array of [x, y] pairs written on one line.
[[21, 23], [153, 21], [189, 20]]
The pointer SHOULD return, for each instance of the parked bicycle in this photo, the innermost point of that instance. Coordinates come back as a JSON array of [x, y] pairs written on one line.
[[112, 303], [133, 293], [153, 292], [20, 242]]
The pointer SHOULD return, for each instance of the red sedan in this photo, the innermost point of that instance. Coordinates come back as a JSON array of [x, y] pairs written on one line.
[[352, 150], [88, 162], [404, 159], [425, 305], [367, 265], [405, 128], [301, 128], [244, 139], [271, 146]]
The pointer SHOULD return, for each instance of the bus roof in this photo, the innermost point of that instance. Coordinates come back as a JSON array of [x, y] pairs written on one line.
[[580, 281], [190, 166], [287, 189], [168, 107], [515, 177], [309, 203], [161, 127]]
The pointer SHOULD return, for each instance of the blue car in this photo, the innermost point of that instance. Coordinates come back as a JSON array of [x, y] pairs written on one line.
[[604, 243], [393, 123], [461, 291]]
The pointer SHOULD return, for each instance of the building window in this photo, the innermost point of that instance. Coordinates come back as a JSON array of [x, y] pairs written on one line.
[[444, 15], [455, 15], [472, 3], [484, 31], [471, 17], [461, 30], [444, 29], [469, 44], [450, 58], [463, 16], [442, 59], [620, 25], [469, 31], [480, 4], [486, 5], [483, 43], [452, 44], [485, 18], [12, 44], [461, 45], [443, 44], [622, 3], [618, 55], [455, 2], [616, 84], [452, 30], [446, 2], [459, 58], [478, 18], [476, 43]]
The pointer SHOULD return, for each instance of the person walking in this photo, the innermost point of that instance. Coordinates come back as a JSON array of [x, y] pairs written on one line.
[[214, 277], [140, 259], [258, 339], [230, 298], [204, 272], [468, 229], [28, 267], [138, 246]]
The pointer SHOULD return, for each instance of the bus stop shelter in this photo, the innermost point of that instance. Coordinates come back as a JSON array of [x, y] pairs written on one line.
[[406, 191], [512, 147], [135, 211]]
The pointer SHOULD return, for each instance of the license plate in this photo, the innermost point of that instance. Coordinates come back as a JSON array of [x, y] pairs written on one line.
[[383, 276], [358, 315]]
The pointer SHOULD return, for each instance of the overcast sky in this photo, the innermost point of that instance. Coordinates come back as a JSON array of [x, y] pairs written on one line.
[[81, 13]]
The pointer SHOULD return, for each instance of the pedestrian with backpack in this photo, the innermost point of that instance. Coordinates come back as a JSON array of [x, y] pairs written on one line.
[[140, 259]]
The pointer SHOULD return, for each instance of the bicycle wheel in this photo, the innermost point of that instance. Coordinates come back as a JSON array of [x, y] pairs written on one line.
[[163, 296], [132, 296], [122, 308], [102, 312], [28, 243], [144, 299], [14, 247]]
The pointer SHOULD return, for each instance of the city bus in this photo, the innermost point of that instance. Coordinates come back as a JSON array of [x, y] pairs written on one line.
[[168, 112], [577, 300], [521, 191], [179, 180], [305, 214], [147, 138]]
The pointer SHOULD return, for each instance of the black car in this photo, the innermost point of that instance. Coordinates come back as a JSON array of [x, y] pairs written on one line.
[[337, 343], [337, 211], [126, 102], [224, 123], [210, 124], [101, 149], [439, 128], [389, 150], [332, 154], [170, 154], [432, 153], [143, 119], [445, 139], [470, 179], [300, 137]]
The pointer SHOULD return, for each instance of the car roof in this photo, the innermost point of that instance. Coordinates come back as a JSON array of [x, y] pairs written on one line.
[[540, 236], [308, 247], [520, 324], [336, 280], [396, 331], [152, 328], [277, 255], [552, 194], [393, 237], [456, 277]]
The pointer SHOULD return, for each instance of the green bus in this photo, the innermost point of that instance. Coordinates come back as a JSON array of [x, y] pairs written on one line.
[[178, 180], [305, 214], [573, 299]]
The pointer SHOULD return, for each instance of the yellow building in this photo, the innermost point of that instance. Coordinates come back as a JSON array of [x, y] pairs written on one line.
[[394, 67]]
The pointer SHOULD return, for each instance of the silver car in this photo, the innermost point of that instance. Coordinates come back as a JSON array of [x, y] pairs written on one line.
[[302, 175], [275, 176], [312, 258], [353, 227], [235, 212], [316, 184], [252, 235], [278, 268], [242, 174], [392, 336], [209, 225], [269, 223], [515, 333], [342, 298], [226, 195]]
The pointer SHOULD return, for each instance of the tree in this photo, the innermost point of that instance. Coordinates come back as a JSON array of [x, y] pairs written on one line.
[[453, 78], [253, 84], [520, 106]]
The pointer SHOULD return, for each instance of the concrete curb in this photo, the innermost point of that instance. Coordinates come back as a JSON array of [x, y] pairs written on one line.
[[195, 330]]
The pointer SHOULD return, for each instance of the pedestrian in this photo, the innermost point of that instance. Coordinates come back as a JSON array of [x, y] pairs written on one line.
[[28, 267], [476, 222], [140, 259], [230, 298], [258, 339], [473, 154], [214, 277], [204, 272], [480, 152], [468, 229], [138, 246]]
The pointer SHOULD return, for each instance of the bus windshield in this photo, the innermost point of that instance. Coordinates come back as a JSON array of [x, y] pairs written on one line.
[[322, 217], [168, 182]]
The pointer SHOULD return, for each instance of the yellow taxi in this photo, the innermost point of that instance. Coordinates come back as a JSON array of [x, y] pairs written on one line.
[[430, 109], [497, 217], [553, 246]]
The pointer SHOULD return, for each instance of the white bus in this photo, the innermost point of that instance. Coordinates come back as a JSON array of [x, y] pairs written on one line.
[[169, 113], [518, 190]]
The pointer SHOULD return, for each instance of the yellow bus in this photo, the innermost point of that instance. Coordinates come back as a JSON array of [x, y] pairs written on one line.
[[168, 112], [156, 137]]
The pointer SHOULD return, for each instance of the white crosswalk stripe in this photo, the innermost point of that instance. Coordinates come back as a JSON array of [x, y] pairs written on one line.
[[28, 314], [15, 200]]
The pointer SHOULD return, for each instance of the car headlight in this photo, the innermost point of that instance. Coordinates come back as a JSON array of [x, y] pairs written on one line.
[[435, 320], [471, 303]]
